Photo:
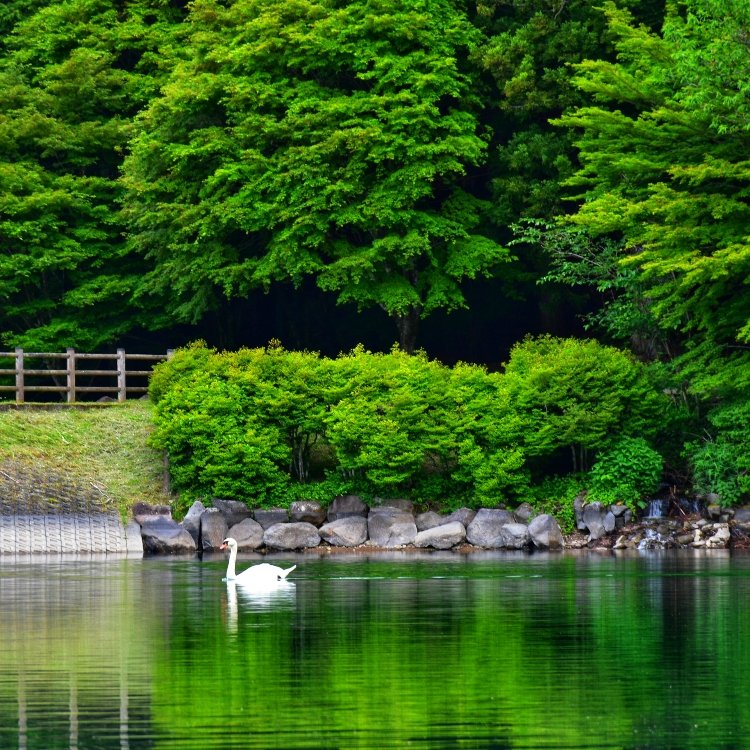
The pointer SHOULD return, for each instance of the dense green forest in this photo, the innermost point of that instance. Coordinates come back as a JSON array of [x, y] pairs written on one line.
[[448, 175]]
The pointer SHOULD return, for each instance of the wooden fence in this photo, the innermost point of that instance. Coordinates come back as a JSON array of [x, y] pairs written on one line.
[[71, 373]]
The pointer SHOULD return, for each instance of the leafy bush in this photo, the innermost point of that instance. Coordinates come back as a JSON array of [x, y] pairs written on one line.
[[627, 473], [555, 496], [195, 358], [269, 425], [721, 464], [392, 426], [490, 461], [215, 446], [574, 394]]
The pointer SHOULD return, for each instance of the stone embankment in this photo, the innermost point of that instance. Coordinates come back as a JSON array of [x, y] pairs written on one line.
[[348, 523]]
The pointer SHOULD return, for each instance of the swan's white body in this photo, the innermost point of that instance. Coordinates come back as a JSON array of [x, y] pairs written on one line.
[[258, 575]]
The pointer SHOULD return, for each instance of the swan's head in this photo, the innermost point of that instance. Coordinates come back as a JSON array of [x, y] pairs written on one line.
[[230, 543]]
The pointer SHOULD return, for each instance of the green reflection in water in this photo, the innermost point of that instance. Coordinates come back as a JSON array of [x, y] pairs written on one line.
[[433, 651]]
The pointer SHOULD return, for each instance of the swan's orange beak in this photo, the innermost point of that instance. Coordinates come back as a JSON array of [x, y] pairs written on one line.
[[223, 546]]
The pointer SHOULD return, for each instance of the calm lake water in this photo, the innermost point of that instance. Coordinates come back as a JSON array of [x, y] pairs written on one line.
[[427, 651]]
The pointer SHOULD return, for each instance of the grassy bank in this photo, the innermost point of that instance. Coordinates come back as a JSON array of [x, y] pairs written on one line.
[[102, 445]]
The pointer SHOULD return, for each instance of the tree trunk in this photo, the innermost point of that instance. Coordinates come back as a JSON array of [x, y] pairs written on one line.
[[408, 326]]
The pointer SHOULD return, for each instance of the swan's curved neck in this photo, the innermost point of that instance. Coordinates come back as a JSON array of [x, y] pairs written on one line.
[[230, 564]]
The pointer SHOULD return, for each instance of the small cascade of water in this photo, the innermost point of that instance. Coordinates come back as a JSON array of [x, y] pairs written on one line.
[[675, 506], [652, 539], [689, 505], [657, 508]]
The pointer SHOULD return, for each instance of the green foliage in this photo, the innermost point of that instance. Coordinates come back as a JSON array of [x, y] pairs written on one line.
[[72, 74], [241, 424], [575, 394], [628, 472], [491, 463], [315, 139], [194, 358], [578, 260], [529, 49], [555, 496], [216, 447], [391, 427], [721, 464], [269, 425], [662, 151]]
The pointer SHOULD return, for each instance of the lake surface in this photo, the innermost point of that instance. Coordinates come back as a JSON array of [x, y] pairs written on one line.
[[427, 651]]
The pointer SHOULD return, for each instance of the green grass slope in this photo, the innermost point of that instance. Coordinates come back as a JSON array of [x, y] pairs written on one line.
[[104, 446]]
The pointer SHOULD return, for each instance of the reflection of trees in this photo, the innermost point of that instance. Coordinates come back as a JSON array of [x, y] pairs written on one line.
[[557, 651], [76, 644]]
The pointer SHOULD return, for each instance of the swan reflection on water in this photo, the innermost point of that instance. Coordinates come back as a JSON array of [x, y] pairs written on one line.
[[257, 597]]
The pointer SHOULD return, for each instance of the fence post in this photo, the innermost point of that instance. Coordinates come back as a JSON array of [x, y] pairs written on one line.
[[19, 376], [71, 367], [121, 390]]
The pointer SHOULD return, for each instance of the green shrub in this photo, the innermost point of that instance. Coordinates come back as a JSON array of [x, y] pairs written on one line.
[[215, 446], [195, 358], [628, 472], [389, 425], [721, 464], [555, 496], [573, 394], [269, 425]]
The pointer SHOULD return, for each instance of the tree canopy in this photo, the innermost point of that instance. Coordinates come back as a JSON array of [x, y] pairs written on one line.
[[72, 76], [663, 166], [337, 140]]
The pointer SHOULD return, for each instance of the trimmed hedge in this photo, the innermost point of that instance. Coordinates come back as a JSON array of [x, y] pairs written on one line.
[[269, 426]]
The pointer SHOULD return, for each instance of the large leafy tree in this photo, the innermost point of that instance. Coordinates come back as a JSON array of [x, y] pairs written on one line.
[[72, 76], [326, 139], [664, 150], [530, 49]]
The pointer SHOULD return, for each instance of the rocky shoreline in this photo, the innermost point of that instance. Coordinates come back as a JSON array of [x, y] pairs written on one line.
[[349, 524]]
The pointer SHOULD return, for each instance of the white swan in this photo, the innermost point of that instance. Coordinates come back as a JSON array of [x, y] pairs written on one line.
[[263, 574]]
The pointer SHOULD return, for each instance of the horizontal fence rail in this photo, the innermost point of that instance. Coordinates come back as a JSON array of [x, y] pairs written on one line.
[[66, 379]]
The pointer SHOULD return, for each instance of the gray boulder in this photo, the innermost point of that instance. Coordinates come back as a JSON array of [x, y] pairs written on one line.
[[345, 506], [742, 514], [713, 511], [429, 520], [267, 517], [165, 536], [463, 515], [233, 511], [524, 512], [545, 532], [192, 521], [399, 503], [441, 537], [578, 504], [486, 530], [516, 536], [213, 529], [610, 522], [345, 532], [289, 536], [247, 533], [309, 511], [593, 519], [391, 527]]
